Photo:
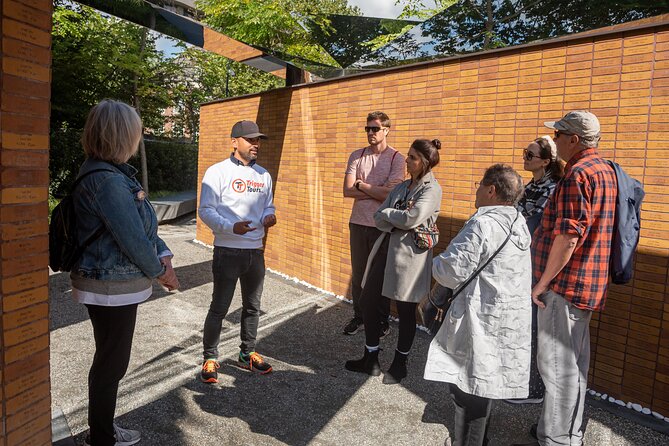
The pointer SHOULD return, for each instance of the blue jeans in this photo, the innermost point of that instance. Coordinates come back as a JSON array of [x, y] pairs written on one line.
[[564, 358], [230, 265]]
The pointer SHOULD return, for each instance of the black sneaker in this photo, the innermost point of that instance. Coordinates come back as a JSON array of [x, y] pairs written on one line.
[[385, 329], [254, 362], [209, 372], [353, 326]]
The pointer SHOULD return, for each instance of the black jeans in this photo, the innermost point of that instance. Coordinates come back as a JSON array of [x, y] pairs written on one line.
[[373, 300], [472, 417], [230, 265], [537, 388], [113, 329], [362, 240]]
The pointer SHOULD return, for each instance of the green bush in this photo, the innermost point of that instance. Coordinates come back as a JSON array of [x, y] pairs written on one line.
[[172, 165]]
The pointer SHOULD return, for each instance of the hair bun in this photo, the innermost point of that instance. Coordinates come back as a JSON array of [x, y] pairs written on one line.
[[436, 143]]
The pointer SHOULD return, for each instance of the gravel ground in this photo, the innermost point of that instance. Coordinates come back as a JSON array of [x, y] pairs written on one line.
[[309, 399]]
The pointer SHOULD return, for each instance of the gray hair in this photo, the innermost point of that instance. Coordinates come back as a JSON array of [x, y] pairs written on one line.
[[112, 132], [508, 184], [590, 142]]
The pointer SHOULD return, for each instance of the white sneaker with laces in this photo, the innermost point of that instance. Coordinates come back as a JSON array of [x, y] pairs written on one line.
[[124, 437]]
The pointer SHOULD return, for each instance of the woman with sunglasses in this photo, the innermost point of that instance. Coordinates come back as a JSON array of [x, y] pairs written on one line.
[[398, 268], [540, 157]]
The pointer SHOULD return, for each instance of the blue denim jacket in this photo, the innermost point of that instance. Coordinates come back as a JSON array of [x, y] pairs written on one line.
[[130, 246]]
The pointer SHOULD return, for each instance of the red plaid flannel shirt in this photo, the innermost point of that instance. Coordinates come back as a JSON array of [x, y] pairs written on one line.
[[583, 204]]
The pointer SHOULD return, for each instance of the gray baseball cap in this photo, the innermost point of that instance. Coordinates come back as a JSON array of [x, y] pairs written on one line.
[[580, 122], [246, 129]]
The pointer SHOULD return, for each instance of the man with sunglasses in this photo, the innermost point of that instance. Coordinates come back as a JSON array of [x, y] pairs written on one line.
[[236, 203], [371, 174], [571, 251]]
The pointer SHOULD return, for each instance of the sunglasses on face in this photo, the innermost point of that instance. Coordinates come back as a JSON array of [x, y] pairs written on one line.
[[529, 156], [251, 140], [373, 129], [560, 132]]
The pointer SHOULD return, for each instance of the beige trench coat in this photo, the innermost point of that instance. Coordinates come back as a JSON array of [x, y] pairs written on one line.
[[407, 275]]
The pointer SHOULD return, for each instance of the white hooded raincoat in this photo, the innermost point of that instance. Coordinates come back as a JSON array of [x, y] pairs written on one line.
[[483, 346]]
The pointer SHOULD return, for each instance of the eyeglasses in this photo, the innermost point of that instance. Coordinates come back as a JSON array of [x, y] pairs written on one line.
[[560, 132], [477, 184], [529, 156], [373, 129]]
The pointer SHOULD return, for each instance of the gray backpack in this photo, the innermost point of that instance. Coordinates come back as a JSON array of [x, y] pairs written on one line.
[[627, 225]]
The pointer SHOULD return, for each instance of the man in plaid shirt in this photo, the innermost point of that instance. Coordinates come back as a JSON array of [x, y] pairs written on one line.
[[571, 252]]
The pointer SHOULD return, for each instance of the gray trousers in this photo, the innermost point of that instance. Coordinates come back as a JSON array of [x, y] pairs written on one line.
[[564, 358]]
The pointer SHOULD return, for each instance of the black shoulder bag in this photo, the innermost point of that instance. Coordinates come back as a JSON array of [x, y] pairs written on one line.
[[435, 304]]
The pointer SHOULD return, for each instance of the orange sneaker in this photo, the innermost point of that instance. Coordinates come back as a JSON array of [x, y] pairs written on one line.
[[254, 362], [209, 372]]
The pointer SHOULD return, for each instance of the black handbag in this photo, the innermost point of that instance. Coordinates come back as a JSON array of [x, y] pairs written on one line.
[[435, 304], [433, 307]]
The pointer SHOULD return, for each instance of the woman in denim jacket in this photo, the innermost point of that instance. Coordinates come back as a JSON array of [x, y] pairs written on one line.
[[115, 272]]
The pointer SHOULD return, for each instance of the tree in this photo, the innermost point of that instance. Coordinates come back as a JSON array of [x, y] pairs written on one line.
[[200, 76], [96, 57], [277, 25], [474, 25]]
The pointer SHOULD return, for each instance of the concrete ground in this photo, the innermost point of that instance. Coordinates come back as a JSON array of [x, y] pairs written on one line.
[[309, 399]]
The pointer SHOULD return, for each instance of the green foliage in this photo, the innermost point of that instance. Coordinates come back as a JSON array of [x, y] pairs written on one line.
[[65, 157], [412, 9], [200, 76], [171, 165], [275, 24], [95, 57], [416, 9]]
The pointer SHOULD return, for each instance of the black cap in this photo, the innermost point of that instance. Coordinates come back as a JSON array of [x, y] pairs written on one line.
[[247, 129]]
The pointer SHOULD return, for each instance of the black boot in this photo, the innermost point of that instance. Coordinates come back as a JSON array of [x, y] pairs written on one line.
[[397, 370], [368, 364]]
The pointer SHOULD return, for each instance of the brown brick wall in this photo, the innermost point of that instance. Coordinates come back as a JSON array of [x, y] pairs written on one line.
[[24, 129], [485, 109]]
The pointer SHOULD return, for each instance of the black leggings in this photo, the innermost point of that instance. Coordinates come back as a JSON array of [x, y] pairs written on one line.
[[113, 329], [371, 298]]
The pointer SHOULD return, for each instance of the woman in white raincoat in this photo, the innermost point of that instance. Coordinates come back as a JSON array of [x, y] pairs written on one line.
[[483, 346]]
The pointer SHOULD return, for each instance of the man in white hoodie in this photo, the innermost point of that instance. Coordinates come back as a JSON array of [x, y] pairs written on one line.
[[236, 203]]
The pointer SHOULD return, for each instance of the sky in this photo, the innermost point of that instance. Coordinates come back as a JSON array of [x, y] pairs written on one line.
[[370, 8], [382, 8]]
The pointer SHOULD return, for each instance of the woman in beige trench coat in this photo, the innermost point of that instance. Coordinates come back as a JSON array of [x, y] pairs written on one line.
[[397, 268]]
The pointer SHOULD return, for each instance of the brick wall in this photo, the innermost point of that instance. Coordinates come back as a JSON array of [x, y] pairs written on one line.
[[485, 109], [24, 125]]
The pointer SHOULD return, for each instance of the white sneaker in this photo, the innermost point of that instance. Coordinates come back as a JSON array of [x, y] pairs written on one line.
[[526, 401], [124, 437]]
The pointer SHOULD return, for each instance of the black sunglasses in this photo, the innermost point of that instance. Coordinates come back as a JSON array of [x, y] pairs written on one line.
[[560, 132], [373, 129], [529, 156]]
